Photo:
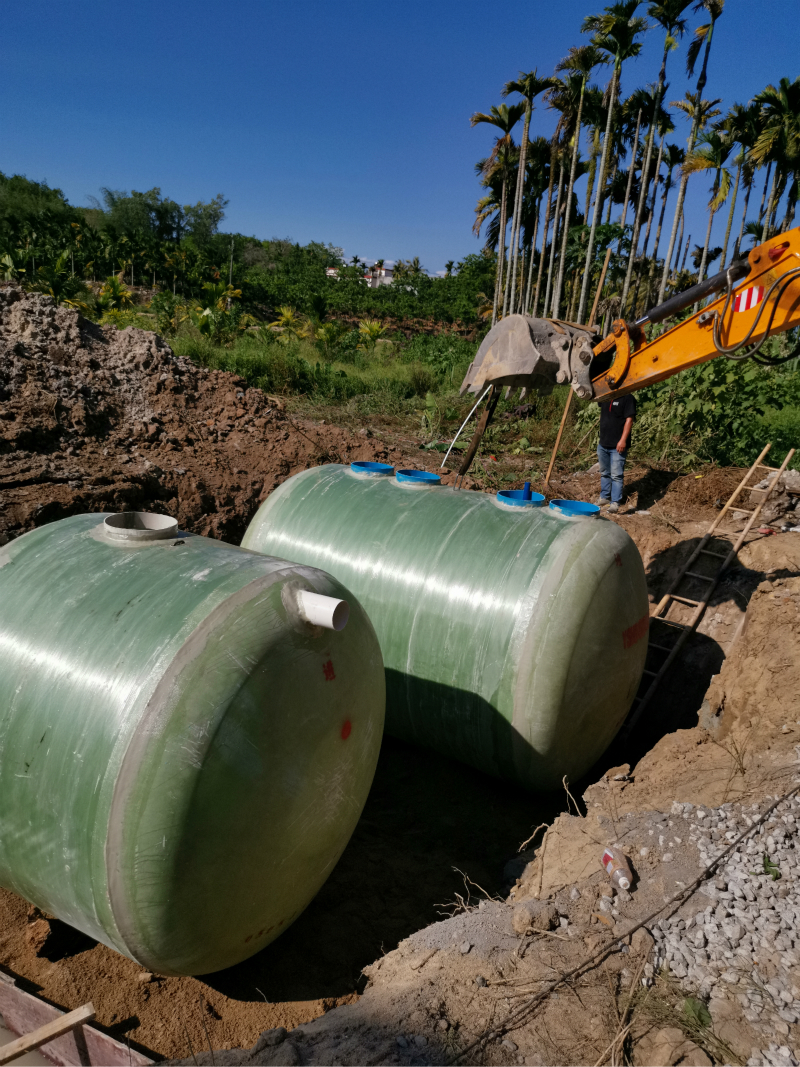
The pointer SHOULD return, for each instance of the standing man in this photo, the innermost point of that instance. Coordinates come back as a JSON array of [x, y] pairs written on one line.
[[616, 420]]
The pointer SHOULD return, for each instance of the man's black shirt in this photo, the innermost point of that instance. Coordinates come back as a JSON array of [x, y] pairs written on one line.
[[612, 420]]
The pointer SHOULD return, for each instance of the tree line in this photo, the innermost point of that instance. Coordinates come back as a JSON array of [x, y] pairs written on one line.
[[550, 248], [93, 257]]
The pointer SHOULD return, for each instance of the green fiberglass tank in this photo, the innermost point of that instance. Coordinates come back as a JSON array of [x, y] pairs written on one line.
[[514, 637], [188, 733]]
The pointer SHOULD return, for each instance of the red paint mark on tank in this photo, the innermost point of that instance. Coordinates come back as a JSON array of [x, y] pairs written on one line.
[[327, 670], [618, 559], [347, 728], [248, 938], [636, 632]]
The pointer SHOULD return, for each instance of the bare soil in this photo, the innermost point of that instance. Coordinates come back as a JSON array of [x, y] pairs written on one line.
[[95, 419]]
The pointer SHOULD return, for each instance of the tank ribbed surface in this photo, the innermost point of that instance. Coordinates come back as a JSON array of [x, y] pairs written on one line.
[[182, 758], [512, 641]]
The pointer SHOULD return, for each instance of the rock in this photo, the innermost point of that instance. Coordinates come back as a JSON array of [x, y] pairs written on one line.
[[443, 1024], [642, 942], [401, 1041], [481, 981], [269, 1038], [420, 1040], [37, 934], [670, 1046], [533, 915], [464, 947], [509, 1044], [145, 977]]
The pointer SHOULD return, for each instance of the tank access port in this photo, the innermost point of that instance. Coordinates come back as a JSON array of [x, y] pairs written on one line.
[[411, 479], [366, 469], [574, 509], [138, 526]]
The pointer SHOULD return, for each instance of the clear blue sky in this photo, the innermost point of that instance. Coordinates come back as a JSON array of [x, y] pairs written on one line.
[[337, 121]]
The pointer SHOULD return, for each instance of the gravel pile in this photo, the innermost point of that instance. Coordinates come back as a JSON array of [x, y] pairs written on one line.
[[745, 944]]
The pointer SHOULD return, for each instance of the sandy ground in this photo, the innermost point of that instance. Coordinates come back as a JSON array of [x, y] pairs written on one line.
[[96, 420]]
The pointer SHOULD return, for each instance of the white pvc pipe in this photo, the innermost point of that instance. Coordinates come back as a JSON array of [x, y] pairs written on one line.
[[322, 610]]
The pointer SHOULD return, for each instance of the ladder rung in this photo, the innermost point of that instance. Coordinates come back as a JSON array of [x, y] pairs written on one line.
[[652, 673], [705, 577], [764, 467], [660, 648], [717, 555], [743, 511], [684, 599], [670, 622]]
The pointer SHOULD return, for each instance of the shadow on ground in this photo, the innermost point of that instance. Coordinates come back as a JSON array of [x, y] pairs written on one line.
[[426, 820]]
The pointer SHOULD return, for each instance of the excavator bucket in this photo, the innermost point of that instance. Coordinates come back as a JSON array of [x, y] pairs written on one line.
[[533, 355]]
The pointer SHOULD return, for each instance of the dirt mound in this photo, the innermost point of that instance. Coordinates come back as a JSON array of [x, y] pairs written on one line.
[[96, 419]]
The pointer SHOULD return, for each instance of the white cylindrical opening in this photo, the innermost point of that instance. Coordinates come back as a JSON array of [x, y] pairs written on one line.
[[323, 610], [139, 526]]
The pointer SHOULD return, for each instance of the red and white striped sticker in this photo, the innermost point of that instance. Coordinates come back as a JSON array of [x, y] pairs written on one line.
[[749, 298]]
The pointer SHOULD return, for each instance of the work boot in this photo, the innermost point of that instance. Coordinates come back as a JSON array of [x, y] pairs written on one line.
[[602, 501], [613, 508]]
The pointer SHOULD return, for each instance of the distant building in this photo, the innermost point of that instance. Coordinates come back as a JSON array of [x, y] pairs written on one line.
[[376, 276], [373, 276]]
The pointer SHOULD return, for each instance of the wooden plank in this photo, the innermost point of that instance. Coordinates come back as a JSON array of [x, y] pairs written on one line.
[[49, 1032], [23, 1012]]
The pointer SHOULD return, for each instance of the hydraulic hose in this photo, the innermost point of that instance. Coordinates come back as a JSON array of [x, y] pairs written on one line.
[[739, 351]]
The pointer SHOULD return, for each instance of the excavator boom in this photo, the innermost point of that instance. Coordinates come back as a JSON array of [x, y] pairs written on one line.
[[536, 354]]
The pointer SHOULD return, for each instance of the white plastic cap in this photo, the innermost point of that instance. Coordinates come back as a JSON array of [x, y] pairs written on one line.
[[324, 611]]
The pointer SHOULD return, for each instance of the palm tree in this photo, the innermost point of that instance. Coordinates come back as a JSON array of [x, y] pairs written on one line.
[[664, 129], [673, 157], [700, 112], [735, 125], [779, 140], [556, 222], [632, 102], [448, 268], [703, 34], [537, 181], [529, 86], [614, 32], [715, 147], [580, 61], [505, 118], [547, 213], [667, 13], [744, 128]]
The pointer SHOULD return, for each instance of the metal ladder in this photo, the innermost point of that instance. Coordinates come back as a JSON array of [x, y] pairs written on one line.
[[685, 630]]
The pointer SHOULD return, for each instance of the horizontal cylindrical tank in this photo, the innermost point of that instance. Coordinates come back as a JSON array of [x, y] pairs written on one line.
[[183, 754], [514, 638]]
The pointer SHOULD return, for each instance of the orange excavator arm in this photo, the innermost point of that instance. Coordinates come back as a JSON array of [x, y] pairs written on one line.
[[767, 303], [758, 298]]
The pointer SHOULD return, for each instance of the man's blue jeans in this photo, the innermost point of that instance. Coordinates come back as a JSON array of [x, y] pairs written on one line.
[[612, 470]]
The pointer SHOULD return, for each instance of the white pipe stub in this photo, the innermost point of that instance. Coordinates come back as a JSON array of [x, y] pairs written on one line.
[[324, 611]]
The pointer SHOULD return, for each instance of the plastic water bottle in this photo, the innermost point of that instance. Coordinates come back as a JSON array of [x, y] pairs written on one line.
[[617, 869]]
